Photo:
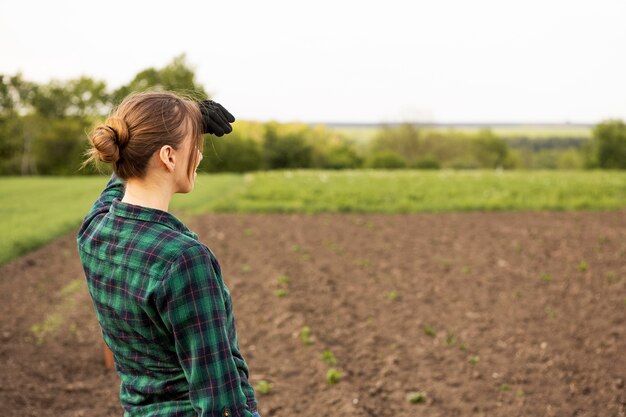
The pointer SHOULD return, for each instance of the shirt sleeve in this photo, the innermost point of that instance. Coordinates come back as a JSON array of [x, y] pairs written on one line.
[[192, 306], [240, 362], [244, 374]]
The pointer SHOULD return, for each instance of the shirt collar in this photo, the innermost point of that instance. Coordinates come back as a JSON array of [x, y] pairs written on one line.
[[149, 214]]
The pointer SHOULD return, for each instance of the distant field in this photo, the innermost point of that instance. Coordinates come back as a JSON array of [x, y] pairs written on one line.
[[35, 210], [365, 134]]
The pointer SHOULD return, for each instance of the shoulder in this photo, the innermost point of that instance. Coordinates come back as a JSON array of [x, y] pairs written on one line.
[[193, 258]]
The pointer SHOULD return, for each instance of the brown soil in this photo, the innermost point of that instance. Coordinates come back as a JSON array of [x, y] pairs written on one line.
[[517, 326]]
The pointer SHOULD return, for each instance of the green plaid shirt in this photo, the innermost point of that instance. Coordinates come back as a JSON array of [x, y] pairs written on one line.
[[164, 311]]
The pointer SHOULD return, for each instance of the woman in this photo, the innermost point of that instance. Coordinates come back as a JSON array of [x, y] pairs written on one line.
[[163, 308]]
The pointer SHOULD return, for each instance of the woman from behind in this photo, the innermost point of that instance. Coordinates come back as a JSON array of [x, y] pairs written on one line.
[[158, 292]]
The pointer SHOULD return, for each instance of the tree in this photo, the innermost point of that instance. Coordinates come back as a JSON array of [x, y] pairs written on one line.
[[288, 150], [340, 157], [233, 153], [176, 76], [58, 144], [385, 160], [609, 144], [404, 140], [81, 97], [489, 150], [16, 95]]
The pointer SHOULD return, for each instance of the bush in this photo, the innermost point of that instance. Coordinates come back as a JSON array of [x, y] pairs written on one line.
[[609, 143], [571, 159], [58, 145], [385, 159], [465, 162], [404, 140], [489, 150], [426, 163], [231, 154], [341, 157], [288, 150]]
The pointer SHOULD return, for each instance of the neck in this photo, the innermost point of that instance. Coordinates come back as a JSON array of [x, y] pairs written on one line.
[[146, 193]]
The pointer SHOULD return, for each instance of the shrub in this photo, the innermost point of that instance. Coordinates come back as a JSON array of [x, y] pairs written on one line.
[[233, 153], [426, 163], [385, 159], [341, 157], [288, 150], [489, 150], [609, 143]]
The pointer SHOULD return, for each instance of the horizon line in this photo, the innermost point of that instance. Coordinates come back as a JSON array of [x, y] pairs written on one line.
[[453, 124]]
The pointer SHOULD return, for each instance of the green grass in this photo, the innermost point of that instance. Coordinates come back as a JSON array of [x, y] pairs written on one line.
[[35, 210], [406, 191]]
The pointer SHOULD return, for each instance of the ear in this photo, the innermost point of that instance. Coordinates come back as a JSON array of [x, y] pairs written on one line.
[[167, 156]]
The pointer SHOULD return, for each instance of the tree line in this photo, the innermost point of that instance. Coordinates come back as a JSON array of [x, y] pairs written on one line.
[[43, 131]]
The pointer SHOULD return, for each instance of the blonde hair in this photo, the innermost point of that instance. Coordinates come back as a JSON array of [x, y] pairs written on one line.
[[139, 126]]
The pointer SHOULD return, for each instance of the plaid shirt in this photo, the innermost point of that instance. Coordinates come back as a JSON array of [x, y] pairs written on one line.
[[164, 311]]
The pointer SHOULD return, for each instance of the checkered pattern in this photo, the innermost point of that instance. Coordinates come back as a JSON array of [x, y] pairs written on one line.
[[164, 311]]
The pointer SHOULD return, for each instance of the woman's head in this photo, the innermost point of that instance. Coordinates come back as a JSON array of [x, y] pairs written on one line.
[[148, 131]]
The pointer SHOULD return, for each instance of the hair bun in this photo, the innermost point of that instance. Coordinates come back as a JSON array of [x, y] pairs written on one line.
[[120, 130], [110, 138]]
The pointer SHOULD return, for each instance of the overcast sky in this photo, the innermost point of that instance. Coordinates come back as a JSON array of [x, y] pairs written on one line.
[[344, 60]]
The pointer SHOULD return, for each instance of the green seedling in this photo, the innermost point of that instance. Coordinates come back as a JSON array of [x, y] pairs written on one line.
[[474, 359], [362, 263], [295, 247], [519, 393], [463, 346], [450, 339], [72, 287], [505, 387], [49, 325], [281, 293], [551, 312], [330, 244], [612, 278], [416, 397], [247, 232], [305, 336], [370, 225], [245, 268], [429, 330], [582, 266], [283, 280], [333, 375], [546, 277], [466, 269], [263, 387], [329, 358], [392, 295]]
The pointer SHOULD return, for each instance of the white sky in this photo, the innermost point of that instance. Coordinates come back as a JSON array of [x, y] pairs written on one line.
[[344, 60]]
